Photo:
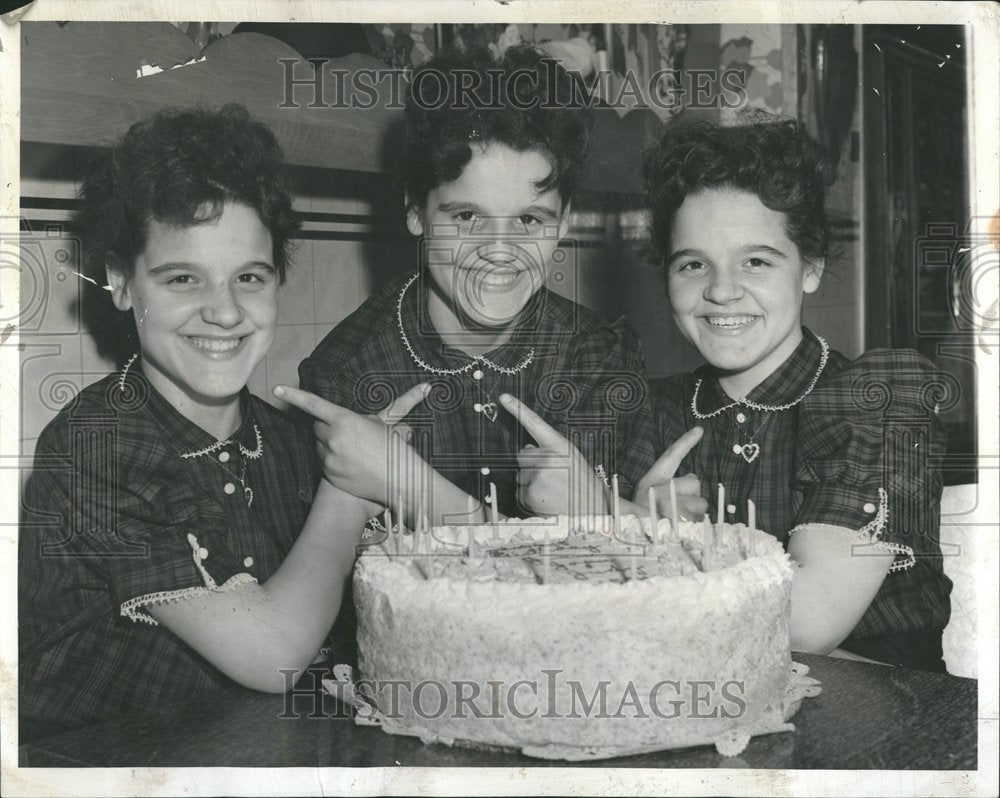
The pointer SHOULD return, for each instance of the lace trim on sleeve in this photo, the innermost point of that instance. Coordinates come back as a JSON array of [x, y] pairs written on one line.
[[132, 609], [873, 530], [877, 526]]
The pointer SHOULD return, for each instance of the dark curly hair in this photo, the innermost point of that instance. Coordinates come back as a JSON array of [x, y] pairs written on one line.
[[180, 167], [774, 158], [524, 100]]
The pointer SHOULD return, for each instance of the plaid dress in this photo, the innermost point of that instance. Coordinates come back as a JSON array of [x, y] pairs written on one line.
[[116, 516], [868, 424], [585, 379]]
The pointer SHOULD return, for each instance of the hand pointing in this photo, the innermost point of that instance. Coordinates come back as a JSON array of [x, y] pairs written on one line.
[[357, 450], [553, 477], [690, 504]]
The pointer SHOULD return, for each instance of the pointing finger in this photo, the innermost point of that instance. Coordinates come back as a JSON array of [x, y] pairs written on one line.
[[534, 424], [405, 403], [312, 404], [666, 466]]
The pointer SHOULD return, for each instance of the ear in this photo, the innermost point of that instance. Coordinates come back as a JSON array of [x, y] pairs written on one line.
[[414, 217], [120, 294], [564, 219], [812, 275]]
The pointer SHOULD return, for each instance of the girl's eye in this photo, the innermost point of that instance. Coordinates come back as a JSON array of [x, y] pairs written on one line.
[[690, 266], [180, 279], [465, 216], [758, 263], [528, 220]]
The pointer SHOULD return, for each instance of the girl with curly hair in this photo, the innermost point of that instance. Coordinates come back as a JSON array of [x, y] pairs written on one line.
[[170, 543], [841, 458]]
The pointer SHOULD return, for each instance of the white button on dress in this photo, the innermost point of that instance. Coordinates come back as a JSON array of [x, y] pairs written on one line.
[[869, 508], [247, 562], [229, 488], [223, 457]]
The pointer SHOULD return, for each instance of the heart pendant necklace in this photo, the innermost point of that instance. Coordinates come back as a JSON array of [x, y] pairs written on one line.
[[490, 410], [750, 450]]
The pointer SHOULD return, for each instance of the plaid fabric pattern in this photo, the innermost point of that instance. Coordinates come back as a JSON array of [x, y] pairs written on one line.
[[586, 380], [106, 518], [867, 424]]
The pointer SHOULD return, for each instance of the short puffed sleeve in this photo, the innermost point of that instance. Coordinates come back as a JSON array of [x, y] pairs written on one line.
[[870, 445], [106, 514]]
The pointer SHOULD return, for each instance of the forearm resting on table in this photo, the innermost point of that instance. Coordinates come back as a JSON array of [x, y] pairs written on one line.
[[255, 631], [837, 574]]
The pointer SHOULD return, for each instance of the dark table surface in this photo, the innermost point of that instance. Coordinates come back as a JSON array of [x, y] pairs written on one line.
[[868, 716]]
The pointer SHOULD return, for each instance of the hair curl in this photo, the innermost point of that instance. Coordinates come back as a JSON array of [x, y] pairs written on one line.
[[524, 100], [180, 167], [774, 158]]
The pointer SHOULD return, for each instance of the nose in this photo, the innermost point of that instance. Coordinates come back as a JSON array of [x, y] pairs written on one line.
[[496, 244], [723, 286], [222, 307]]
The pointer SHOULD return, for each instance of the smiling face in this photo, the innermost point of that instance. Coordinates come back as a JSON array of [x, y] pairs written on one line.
[[489, 236], [205, 302], [736, 282]]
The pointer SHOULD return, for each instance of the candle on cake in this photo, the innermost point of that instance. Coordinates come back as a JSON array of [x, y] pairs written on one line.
[[653, 520], [616, 506], [388, 531], [675, 520], [720, 510], [494, 513]]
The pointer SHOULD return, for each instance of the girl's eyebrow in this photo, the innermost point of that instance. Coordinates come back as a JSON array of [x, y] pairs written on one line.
[[685, 253], [764, 248], [172, 266], [542, 211], [448, 207]]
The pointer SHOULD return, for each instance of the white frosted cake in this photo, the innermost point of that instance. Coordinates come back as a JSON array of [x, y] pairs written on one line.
[[564, 638]]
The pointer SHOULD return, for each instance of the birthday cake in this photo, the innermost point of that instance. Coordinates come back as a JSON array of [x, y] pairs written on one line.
[[574, 639]]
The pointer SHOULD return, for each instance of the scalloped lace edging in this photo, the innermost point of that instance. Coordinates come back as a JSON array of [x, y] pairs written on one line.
[[132, 609], [732, 743], [873, 532]]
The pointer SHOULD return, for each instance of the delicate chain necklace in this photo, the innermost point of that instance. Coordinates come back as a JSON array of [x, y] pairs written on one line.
[[245, 453], [461, 369], [751, 449], [247, 490], [824, 356]]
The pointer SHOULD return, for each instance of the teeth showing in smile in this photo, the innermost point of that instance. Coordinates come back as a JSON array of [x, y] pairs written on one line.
[[729, 322], [498, 278], [215, 344]]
